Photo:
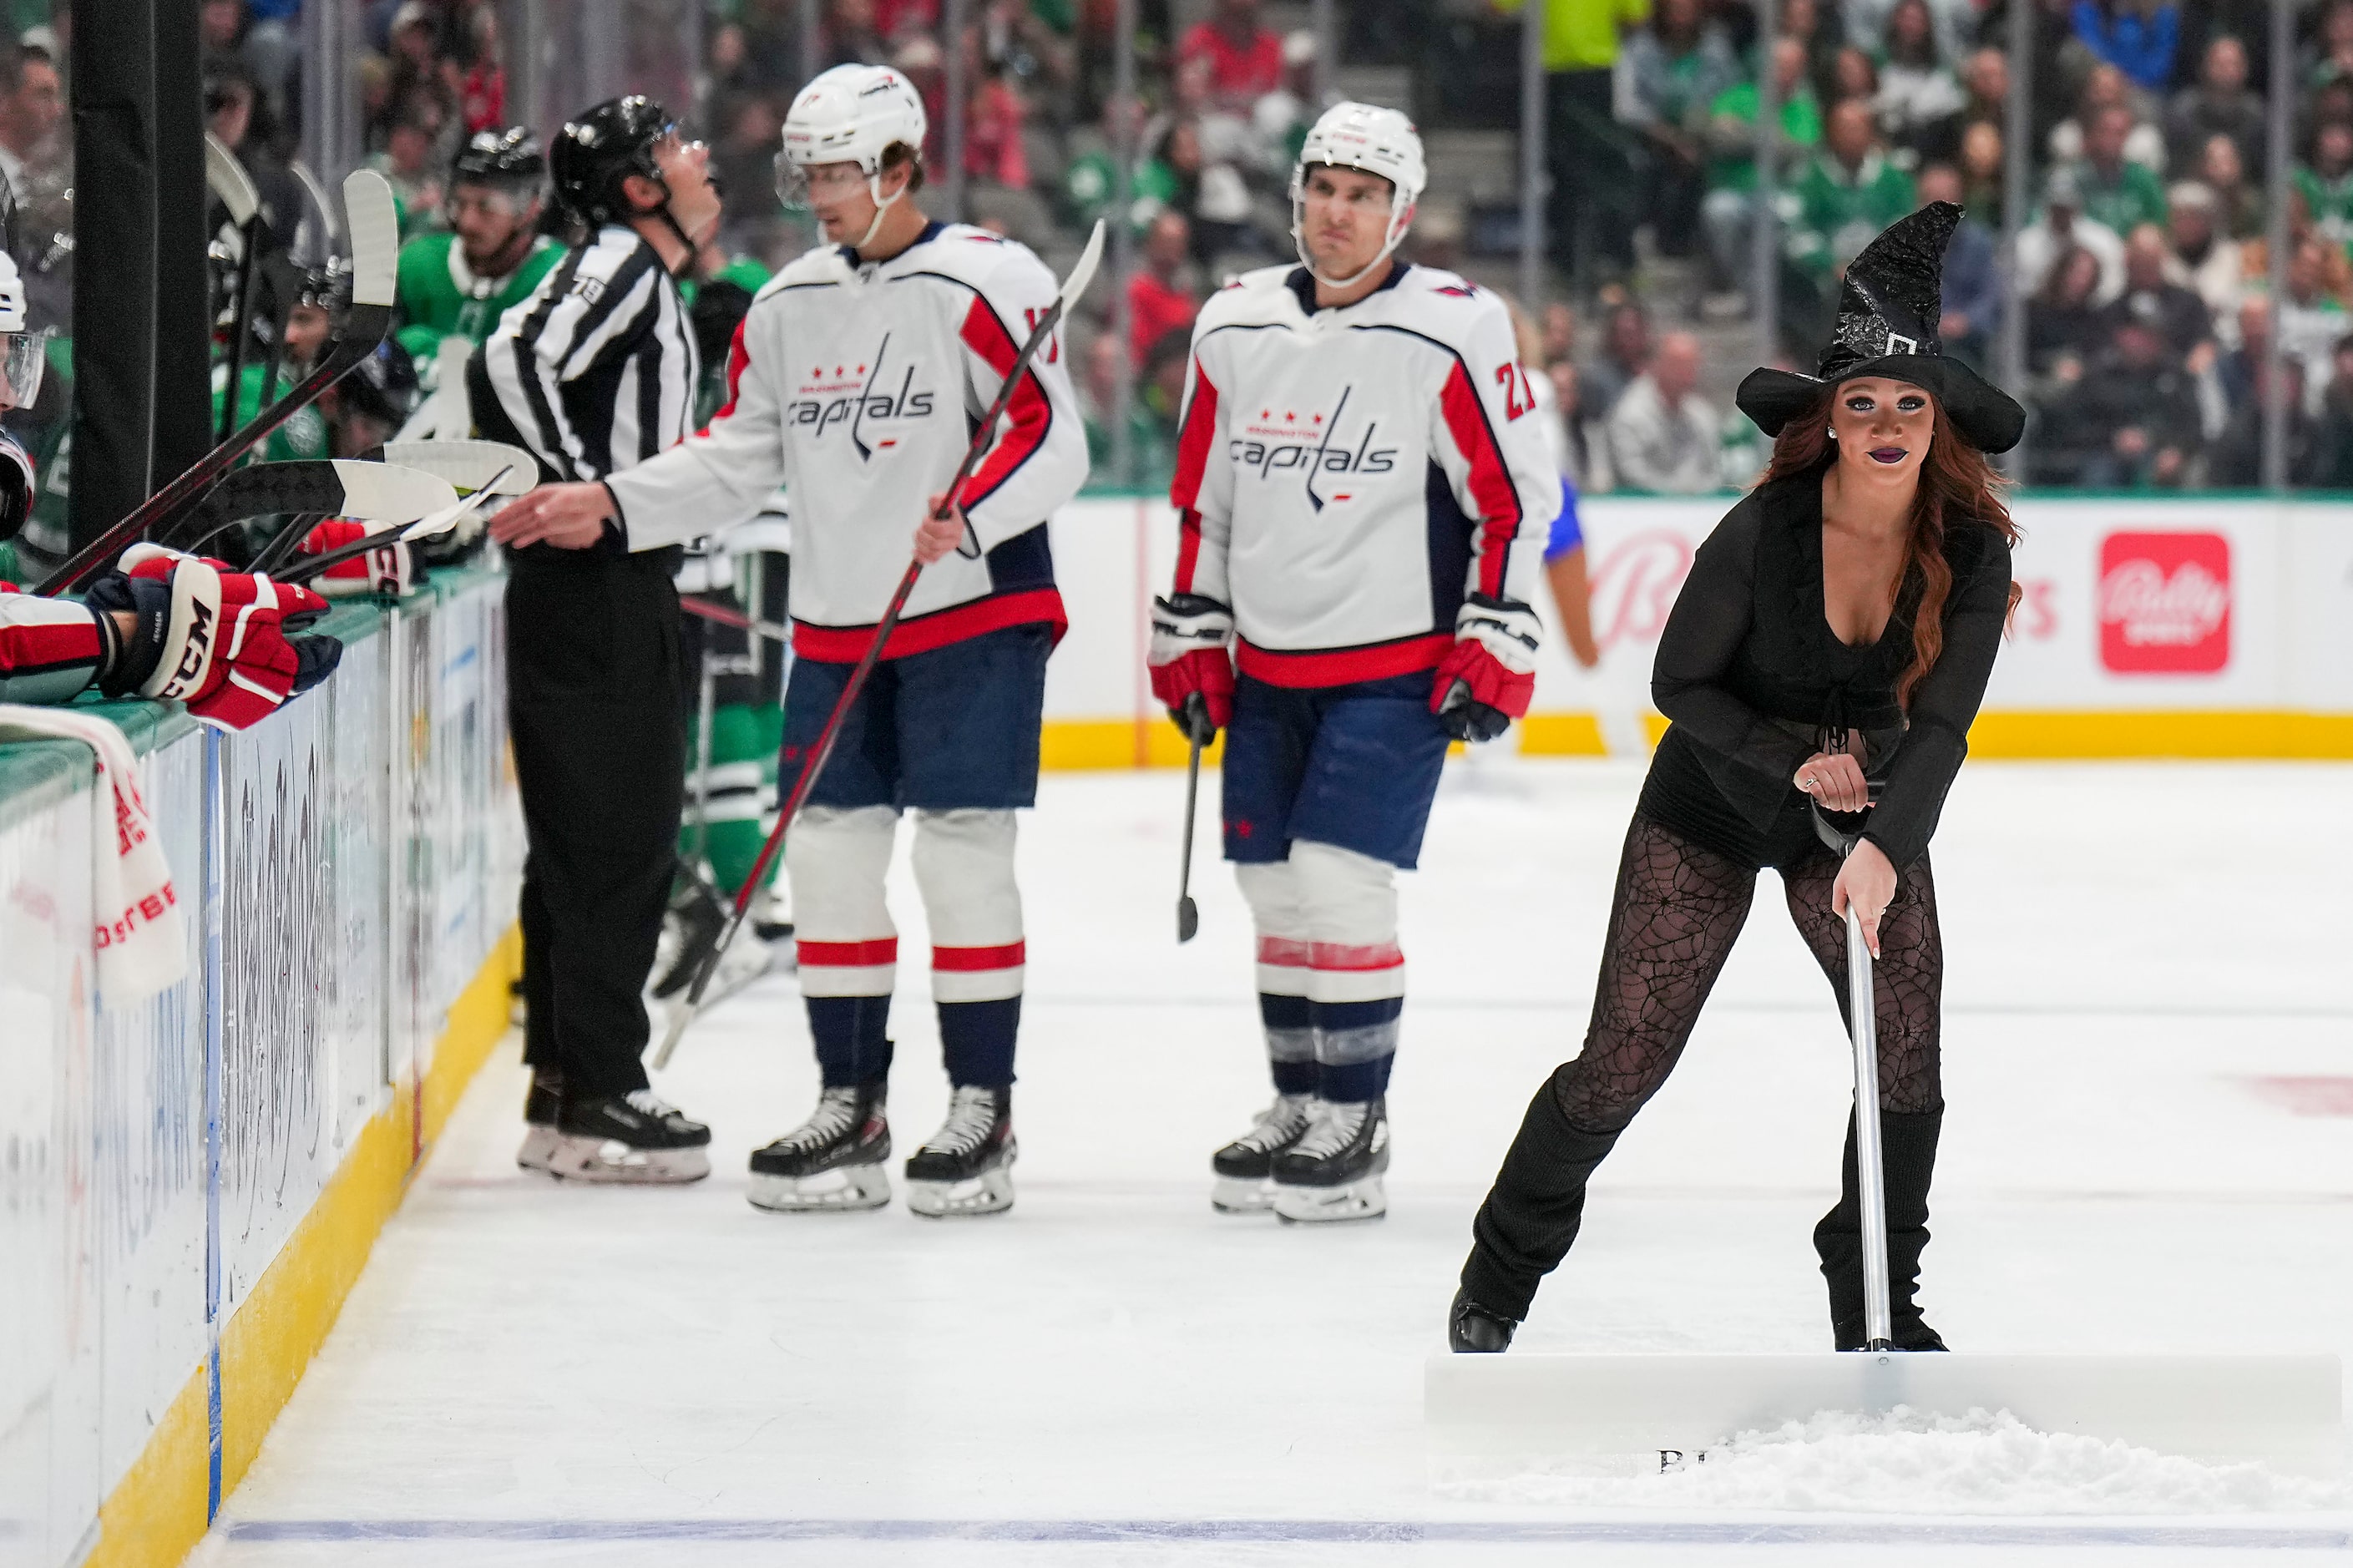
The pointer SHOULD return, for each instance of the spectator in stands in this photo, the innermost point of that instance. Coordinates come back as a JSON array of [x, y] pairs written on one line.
[[2332, 467], [2208, 258], [2175, 312], [853, 35], [2106, 88], [1663, 435], [1727, 211], [2234, 373], [1868, 23], [2219, 104], [32, 109], [1625, 355], [1853, 74], [1982, 172], [1590, 218], [992, 149], [2061, 226], [1280, 119], [1675, 67], [1161, 298], [1846, 193], [2129, 423], [1919, 102], [2117, 192], [2322, 187], [2329, 56], [1559, 333], [2239, 206], [1972, 294], [2235, 459], [1819, 45], [2137, 36], [408, 165], [2311, 318], [2063, 322], [481, 86], [1245, 59], [1984, 78], [230, 104]]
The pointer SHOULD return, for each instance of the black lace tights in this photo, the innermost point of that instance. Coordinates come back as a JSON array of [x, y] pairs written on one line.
[[1678, 909]]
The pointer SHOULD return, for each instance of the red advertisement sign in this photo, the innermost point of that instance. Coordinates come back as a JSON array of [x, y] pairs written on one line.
[[2165, 603]]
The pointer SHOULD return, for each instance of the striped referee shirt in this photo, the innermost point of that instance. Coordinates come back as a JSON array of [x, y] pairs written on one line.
[[596, 369]]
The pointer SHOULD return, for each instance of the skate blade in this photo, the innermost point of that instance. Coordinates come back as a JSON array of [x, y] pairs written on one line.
[[1357, 1200], [843, 1190], [991, 1191], [609, 1162], [539, 1145], [1242, 1195]]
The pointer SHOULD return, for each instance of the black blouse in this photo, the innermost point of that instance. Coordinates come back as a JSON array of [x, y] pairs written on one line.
[[1755, 682]]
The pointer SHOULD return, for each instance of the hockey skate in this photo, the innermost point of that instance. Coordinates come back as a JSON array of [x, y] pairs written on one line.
[[1245, 1167], [966, 1167], [1334, 1173], [833, 1161], [632, 1140], [542, 1107]]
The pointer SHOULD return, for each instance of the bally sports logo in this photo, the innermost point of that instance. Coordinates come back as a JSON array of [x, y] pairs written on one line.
[[2165, 603]]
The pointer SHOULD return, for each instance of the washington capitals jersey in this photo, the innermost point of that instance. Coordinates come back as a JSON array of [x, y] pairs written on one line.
[[1346, 477], [858, 386]]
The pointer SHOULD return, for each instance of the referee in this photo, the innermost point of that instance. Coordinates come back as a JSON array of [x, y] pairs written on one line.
[[594, 372]]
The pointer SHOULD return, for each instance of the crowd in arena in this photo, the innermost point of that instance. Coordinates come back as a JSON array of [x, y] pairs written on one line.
[[2143, 260]]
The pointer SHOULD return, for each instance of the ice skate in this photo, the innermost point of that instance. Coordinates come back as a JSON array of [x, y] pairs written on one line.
[[833, 1161], [543, 1106], [1245, 1167], [632, 1140], [1475, 1330], [1334, 1173], [966, 1167]]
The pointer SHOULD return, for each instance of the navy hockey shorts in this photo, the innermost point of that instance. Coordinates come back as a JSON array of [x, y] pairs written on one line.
[[1354, 766], [954, 729]]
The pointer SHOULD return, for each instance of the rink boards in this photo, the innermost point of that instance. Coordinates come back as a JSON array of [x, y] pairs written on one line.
[[2149, 628], [346, 870]]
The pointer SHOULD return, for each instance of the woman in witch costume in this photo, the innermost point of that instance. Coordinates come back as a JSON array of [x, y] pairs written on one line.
[[1828, 651]]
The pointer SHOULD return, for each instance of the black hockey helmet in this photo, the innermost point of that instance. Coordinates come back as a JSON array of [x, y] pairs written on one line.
[[597, 150], [382, 386], [509, 159]]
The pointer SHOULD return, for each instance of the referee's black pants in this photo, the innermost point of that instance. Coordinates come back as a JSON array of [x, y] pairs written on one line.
[[593, 671]]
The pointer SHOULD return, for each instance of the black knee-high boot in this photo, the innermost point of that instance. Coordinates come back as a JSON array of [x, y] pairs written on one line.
[[1532, 1212], [1908, 1145]]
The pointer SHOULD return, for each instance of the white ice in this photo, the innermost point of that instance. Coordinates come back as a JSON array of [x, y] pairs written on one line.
[[2147, 973]]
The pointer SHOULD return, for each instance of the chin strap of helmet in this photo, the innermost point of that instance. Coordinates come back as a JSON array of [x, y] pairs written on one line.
[[1398, 223], [882, 204]]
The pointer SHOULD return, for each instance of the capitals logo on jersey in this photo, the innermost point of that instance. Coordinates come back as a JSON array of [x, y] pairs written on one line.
[[1313, 449], [859, 398]]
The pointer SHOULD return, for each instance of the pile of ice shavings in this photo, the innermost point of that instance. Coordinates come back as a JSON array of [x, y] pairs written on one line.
[[1906, 1462]]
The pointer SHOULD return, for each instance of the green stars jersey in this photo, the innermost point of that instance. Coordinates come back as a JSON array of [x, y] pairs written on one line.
[[439, 296]]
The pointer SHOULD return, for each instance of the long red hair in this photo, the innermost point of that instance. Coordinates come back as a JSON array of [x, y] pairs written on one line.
[[1955, 481]]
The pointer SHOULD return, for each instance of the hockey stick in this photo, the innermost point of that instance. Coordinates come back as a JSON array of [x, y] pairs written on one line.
[[721, 616], [439, 523], [370, 492], [376, 244], [235, 187], [1188, 918], [469, 465], [984, 437]]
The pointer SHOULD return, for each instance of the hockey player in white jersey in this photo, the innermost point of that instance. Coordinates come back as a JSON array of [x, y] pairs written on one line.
[[855, 381], [1362, 499]]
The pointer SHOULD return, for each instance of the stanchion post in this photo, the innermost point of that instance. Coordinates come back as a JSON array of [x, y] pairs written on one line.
[[2281, 110], [1765, 223], [1122, 251], [1532, 136]]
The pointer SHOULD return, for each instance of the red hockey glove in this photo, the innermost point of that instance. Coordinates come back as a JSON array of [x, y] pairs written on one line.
[[1193, 664], [387, 569], [1486, 679], [224, 651]]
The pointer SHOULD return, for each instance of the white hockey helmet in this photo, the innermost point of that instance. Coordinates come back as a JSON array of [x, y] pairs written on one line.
[[24, 353], [850, 114], [1376, 140]]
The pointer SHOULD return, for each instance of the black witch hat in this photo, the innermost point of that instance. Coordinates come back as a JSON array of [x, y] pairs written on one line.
[[1888, 310]]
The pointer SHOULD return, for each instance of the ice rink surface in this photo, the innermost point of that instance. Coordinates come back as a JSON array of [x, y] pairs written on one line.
[[2149, 1147]]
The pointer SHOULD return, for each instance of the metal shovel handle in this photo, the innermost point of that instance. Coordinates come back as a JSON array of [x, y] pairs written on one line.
[[1871, 1175]]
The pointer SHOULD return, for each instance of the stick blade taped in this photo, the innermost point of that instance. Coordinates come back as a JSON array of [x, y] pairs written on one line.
[[1616, 1414], [469, 465], [374, 225]]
